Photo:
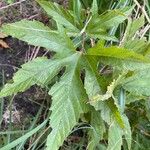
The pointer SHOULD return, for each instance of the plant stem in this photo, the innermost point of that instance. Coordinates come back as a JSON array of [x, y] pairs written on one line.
[[143, 10]]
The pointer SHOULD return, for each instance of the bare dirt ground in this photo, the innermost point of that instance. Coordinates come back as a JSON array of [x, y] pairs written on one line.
[[24, 105]]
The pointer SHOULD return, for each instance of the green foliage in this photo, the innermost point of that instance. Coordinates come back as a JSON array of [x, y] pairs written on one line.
[[84, 86], [39, 71], [53, 40], [97, 130], [139, 83], [114, 137], [94, 8], [59, 14], [10, 1], [23, 138], [134, 26], [69, 99]]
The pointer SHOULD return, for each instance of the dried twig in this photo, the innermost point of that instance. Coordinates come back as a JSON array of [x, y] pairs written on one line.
[[144, 31], [5, 7], [33, 16], [143, 10]]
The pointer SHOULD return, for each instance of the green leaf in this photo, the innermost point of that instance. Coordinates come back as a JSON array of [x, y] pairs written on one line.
[[127, 132], [139, 83], [102, 147], [92, 78], [24, 137], [86, 3], [118, 53], [70, 4], [119, 57], [114, 17], [114, 137], [119, 64], [109, 110], [39, 71], [109, 92], [102, 35], [35, 33], [147, 106], [135, 26], [94, 8], [98, 25], [115, 134], [77, 8], [139, 46], [97, 131], [147, 53], [80, 79], [69, 101], [109, 19], [115, 112], [59, 14], [95, 84], [131, 97], [122, 99]]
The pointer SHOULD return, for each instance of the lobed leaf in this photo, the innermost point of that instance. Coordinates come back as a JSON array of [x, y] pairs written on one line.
[[59, 14], [95, 84], [114, 137], [138, 83], [92, 85], [134, 27], [115, 134], [69, 95], [92, 78], [109, 19], [119, 58], [109, 92], [69, 101], [35, 33], [131, 98], [39, 71], [99, 24], [97, 130], [114, 17], [139, 46], [118, 53], [102, 35]]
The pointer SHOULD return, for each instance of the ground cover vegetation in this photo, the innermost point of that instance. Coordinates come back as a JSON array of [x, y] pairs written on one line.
[[95, 75]]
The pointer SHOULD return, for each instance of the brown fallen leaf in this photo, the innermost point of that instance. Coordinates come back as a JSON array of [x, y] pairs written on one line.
[[3, 44]]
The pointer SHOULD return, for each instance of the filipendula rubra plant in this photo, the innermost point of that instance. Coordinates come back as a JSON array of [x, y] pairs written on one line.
[[80, 47]]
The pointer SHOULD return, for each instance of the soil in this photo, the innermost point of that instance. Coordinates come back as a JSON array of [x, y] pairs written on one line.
[[25, 104], [28, 103]]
